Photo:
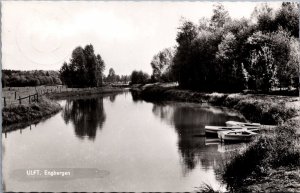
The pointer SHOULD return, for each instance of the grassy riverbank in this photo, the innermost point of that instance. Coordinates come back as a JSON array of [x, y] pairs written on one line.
[[16, 115], [266, 109], [84, 92], [271, 162]]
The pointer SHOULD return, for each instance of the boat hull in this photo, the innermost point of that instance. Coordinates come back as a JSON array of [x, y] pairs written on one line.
[[242, 124], [213, 130], [236, 136]]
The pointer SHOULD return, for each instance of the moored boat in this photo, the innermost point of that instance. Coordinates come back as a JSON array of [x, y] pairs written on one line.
[[242, 124], [240, 135], [213, 130]]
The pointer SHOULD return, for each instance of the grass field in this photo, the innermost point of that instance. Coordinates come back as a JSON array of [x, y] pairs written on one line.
[[12, 94]]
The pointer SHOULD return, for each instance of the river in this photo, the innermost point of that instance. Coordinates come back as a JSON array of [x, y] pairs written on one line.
[[117, 143]]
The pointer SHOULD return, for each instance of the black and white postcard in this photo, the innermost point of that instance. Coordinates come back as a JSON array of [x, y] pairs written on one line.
[[150, 96]]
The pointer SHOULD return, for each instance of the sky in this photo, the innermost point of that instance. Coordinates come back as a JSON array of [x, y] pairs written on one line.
[[41, 35]]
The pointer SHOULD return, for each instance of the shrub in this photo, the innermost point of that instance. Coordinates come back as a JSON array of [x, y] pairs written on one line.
[[268, 151]]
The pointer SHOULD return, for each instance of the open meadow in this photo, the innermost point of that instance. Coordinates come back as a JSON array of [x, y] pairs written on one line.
[[11, 96]]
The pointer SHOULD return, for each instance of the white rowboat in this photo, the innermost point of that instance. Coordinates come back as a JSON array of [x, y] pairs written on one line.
[[242, 124], [240, 135], [215, 129]]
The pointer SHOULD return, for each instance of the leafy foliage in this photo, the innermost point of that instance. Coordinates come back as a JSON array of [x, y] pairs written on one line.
[[112, 77], [17, 78], [84, 70], [228, 55], [161, 65], [139, 77]]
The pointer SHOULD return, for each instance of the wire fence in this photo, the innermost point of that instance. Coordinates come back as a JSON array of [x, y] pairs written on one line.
[[28, 95]]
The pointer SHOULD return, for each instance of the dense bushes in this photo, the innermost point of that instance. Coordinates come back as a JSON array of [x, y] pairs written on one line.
[[221, 54], [17, 78], [84, 69], [139, 77]]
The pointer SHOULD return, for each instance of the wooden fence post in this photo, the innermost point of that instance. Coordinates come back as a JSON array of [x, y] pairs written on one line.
[[15, 95], [20, 100], [4, 101]]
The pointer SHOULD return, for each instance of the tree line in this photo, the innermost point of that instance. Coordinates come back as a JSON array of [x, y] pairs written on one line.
[[136, 77], [17, 78], [112, 77], [223, 54], [86, 68]]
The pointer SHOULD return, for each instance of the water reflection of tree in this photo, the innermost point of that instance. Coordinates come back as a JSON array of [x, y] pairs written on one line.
[[112, 97], [86, 115], [135, 96], [189, 123]]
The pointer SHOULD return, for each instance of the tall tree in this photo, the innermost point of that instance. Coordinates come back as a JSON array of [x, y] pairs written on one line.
[[262, 69], [111, 77], [264, 15], [288, 17], [99, 70], [161, 65], [230, 70], [220, 16], [187, 33], [294, 62]]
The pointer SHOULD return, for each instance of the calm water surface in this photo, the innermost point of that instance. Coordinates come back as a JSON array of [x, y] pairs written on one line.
[[134, 146]]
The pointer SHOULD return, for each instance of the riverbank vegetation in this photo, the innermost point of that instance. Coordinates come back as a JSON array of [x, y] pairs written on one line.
[[27, 112], [267, 109], [139, 77], [226, 55], [270, 163]]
